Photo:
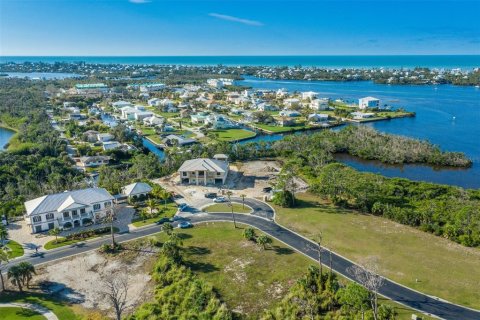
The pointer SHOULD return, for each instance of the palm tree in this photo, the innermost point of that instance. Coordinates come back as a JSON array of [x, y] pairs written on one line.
[[264, 240], [15, 275], [229, 195], [165, 195], [243, 200], [27, 270], [151, 205], [3, 259], [167, 228], [54, 232], [3, 234]]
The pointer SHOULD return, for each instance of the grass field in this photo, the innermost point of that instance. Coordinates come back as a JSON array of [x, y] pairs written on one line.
[[247, 278], [442, 268], [234, 134], [169, 212], [15, 249], [61, 309], [278, 129], [224, 207], [14, 313]]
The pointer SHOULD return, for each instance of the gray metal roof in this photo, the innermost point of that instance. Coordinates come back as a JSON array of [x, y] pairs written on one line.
[[67, 199], [136, 188], [204, 164]]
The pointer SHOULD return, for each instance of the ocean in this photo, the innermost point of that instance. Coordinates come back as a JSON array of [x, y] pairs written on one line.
[[390, 61]]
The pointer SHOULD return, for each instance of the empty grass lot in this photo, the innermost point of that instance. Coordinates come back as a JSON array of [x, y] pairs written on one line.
[[443, 268], [15, 249], [246, 277], [224, 207], [234, 134]]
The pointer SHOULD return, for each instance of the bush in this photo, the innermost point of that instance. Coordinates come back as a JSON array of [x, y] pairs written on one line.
[[284, 199]]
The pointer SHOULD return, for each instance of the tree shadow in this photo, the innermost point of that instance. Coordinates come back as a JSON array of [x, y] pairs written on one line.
[[204, 267], [184, 236], [26, 313], [198, 251], [60, 290], [282, 250]]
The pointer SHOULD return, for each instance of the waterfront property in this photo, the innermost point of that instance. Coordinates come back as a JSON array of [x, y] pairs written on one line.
[[92, 161], [68, 209], [362, 115], [368, 102], [205, 171]]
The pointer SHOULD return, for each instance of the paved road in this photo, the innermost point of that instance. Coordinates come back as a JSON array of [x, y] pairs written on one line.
[[262, 219]]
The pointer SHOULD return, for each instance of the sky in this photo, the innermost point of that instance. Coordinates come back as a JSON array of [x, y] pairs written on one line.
[[229, 27]]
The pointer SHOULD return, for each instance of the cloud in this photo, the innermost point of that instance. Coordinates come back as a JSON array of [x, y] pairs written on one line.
[[236, 19], [139, 1]]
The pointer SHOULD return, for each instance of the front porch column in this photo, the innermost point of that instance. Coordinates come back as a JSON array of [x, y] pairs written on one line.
[[196, 178], [205, 177]]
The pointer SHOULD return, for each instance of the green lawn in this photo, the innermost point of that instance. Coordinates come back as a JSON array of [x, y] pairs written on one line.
[[247, 278], [14, 313], [443, 268], [61, 242], [169, 212], [15, 249], [278, 129], [61, 309], [233, 134]]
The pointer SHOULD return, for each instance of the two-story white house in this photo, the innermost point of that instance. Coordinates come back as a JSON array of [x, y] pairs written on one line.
[[68, 209], [368, 102], [205, 171]]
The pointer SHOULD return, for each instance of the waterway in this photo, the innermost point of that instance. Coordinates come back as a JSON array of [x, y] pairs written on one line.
[[5, 136], [42, 75]]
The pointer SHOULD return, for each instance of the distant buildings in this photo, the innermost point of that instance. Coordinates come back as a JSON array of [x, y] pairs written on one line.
[[68, 209], [309, 95], [205, 171], [368, 102], [219, 83], [147, 87], [362, 115], [91, 88]]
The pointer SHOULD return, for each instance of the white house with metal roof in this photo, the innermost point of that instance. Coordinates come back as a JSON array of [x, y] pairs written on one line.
[[136, 189], [68, 209], [204, 171]]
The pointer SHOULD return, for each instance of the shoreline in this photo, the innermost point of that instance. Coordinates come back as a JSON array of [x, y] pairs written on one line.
[[5, 127]]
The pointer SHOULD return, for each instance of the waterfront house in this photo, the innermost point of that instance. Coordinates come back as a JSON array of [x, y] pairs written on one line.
[[319, 104], [215, 83], [281, 93], [309, 95], [291, 102], [368, 102], [153, 121], [68, 209], [136, 190], [180, 141], [289, 113], [317, 117], [204, 171]]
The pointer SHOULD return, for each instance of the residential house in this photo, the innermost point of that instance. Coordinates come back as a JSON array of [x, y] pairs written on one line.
[[215, 83], [291, 102], [362, 115], [281, 93], [153, 121], [204, 171], [150, 87], [92, 161], [136, 190], [309, 95], [68, 209], [289, 113], [154, 102], [317, 117], [266, 107], [111, 145], [91, 135], [368, 102], [120, 104], [104, 137], [180, 141], [91, 88], [319, 104], [200, 117]]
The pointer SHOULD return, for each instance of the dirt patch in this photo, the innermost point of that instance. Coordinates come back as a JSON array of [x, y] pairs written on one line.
[[79, 279], [236, 269]]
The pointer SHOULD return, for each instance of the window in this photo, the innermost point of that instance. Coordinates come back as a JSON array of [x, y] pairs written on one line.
[[184, 173], [66, 215], [37, 219], [96, 206], [82, 211], [74, 213], [107, 204], [219, 173], [49, 216]]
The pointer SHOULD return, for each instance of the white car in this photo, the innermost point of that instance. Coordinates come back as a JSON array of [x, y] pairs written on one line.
[[219, 199]]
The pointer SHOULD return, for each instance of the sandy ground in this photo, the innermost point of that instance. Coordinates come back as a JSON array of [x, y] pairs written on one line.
[[247, 178], [79, 279]]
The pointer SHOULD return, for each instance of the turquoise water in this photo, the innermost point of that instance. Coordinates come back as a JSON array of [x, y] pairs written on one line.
[[407, 61], [5, 136], [42, 75]]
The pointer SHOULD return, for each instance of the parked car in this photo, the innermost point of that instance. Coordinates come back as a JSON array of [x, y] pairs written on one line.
[[178, 218], [182, 206], [210, 195], [267, 189], [185, 225], [220, 199], [163, 220]]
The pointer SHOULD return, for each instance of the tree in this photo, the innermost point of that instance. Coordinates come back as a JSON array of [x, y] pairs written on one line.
[[167, 228], [229, 195], [249, 234], [115, 289], [264, 240], [110, 218], [243, 200], [165, 195], [27, 271], [3, 234], [367, 275], [14, 274], [151, 205], [54, 232], [3, 260], [355, 298], [318, 249]]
